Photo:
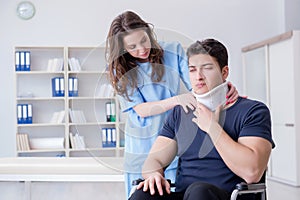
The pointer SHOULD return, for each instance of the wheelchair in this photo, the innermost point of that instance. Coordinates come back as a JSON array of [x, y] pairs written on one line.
[[259, 189]]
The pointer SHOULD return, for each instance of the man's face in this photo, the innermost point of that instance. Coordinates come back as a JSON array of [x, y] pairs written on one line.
[[205, 73]]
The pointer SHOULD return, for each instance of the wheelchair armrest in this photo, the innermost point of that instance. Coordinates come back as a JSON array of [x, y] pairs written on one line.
[[244, 188], [254, 186]]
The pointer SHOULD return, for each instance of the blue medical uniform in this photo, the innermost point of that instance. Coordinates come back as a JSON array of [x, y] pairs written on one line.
[[140, 133]]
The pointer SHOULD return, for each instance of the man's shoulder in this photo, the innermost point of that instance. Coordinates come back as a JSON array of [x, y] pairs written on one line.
[[248, 103], [178, 114]]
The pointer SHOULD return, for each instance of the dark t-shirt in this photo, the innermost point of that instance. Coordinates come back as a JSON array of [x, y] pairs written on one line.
[[198, 158]]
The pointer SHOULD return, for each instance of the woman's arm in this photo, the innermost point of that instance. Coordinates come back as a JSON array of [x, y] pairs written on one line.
[[187, 101], [157, 107]]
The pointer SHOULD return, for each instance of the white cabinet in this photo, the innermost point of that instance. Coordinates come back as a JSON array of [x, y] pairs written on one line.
[[55, 117], [282, 64]]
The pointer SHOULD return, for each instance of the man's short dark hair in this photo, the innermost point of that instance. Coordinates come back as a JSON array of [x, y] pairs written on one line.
[[211, 47]]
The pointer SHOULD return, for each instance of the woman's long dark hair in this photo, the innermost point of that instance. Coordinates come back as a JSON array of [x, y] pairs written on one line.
[[121, 65]]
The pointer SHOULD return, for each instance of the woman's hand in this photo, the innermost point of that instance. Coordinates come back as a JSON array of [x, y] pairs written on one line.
[[153, 182], [186, 100], [232, 94]]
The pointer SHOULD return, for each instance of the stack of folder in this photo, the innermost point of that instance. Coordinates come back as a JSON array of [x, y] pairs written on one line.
[[22, 60], [108, 137], [74, 64], [23, 142], [73, 87], [58, 87], [55, 65], [110, 111], [24, 113]]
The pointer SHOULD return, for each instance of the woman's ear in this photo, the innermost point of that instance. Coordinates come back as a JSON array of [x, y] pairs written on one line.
[[225, 72]]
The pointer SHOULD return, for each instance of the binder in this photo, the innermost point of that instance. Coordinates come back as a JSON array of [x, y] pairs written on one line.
[[113, 111], [104, 137], [17, 61], [19, 114], [110, 111], [62, 86], [113, 137], [109, 137], [71, 80], [55, 87], [29, 114], [58, 87], [27, 60], [24, 113], [22, 60], [73, 87]]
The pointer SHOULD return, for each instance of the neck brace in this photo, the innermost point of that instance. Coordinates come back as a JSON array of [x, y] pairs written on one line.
[[214, 97]]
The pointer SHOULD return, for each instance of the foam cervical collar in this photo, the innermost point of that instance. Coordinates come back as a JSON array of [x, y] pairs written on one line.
[[213, 98]]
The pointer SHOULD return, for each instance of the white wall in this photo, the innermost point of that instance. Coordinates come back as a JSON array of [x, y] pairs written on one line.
[[67, 22], [291, 13]]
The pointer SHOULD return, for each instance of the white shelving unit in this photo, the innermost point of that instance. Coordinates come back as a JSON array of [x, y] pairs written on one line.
[[35, 87], [271, 70]]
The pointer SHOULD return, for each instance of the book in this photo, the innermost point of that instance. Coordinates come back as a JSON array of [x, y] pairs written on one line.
[[58, 117], [77, 116], [105, 90], [72, 142], [74, 64], [23, 142], [55, 64], [77, 141]]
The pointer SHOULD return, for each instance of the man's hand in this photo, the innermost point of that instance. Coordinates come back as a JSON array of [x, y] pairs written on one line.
[[206, 119], [155, 180]]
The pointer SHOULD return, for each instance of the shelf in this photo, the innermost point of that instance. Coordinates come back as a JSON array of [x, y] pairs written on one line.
[[40, 125], [88, 72], [94, 92]]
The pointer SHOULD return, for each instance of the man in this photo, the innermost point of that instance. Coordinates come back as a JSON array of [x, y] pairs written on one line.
[[218, 145]]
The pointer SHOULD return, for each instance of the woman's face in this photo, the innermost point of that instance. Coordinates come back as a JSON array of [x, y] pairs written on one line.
[[137, 44]]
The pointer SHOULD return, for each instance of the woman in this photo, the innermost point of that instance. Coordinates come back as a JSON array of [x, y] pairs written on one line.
[[146, 75]]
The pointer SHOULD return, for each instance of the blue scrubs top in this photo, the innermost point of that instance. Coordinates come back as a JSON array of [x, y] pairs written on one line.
[[140, 133]]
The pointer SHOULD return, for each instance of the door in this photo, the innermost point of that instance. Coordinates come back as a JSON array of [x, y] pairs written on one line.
[[282, 105]]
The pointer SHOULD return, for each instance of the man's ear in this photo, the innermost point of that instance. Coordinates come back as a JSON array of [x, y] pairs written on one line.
[[225, 72]]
